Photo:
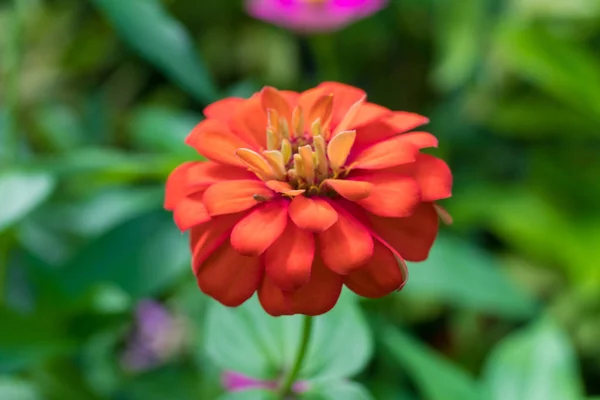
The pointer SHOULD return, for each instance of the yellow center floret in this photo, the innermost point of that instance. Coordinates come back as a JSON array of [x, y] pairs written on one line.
[[301, 156]]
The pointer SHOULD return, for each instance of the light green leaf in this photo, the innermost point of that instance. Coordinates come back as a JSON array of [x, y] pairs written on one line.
[[17, 389], [460, 24], [249, 395], [21, 192], [147, 27], [436, 377], [164, 130], [141, 256], [247, 340], [458, 273], [346, 390], [535, 364], [564, 69]]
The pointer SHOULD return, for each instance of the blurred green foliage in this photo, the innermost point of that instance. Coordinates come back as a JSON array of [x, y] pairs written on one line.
[[97, 96]]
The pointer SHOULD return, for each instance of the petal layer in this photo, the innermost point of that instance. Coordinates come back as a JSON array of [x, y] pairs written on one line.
[[229, 277], [230, 197], [312, 213], [391, 195], [346, 245], [413, 236], [260, 228], [288, 261], [317, 297], [380, 276], [213, 139], [386, 154], [190, 212], [176, 187]]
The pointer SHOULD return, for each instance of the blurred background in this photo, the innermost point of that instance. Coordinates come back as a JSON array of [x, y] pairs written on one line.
[[96, 97]]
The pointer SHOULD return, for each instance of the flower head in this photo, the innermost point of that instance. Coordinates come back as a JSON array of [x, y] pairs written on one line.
[[313, 15], [304, 193]]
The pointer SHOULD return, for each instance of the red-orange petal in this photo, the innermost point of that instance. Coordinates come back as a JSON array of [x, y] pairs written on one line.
[[344, 96], [434, 177], [420, 139], [312, 213], [403, 121], [249, 123], [317, 297], [272, 298], [349, 189], [260, 228], [212, 139], [369, 113], [288, 261], [380, 276], [176, 187], [206, 238], [228, 197], [190, 212], [391, 195], [223, 109], [229, 277], [385, 128], [271, 98], [203, 174], [413, 236], [346, 245], [307, 99], [386, 154]]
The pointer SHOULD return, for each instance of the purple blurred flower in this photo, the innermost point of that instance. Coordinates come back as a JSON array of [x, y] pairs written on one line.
[[313, 15], [156, 336], [235, 382]]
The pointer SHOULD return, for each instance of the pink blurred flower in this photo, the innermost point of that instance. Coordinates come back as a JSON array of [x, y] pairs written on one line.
[[313, 15]]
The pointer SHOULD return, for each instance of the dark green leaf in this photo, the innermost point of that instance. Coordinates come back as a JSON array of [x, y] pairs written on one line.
[[538, 363], [436, 377], [461, 274], [247, 340], [141, 256], [22, 192], [147, 27], [26, 340]]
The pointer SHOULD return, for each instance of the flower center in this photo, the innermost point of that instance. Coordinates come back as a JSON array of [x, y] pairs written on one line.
[[302, 153]]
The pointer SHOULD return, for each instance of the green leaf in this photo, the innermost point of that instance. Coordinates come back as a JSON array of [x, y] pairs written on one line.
[[458, 273], [250, 395], [141, 256], [537, 363], [566, 70], [21, 193], [247, 340], [346, 390], [163, 130], [17, 389], [436, 377], [459, 30], [27, 340], [147, 27], [115, 205]]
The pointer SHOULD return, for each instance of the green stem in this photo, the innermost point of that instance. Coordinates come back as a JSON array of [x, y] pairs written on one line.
[[288, 382]]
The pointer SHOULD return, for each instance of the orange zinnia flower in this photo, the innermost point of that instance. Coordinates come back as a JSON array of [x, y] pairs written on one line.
[[304, 193]]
